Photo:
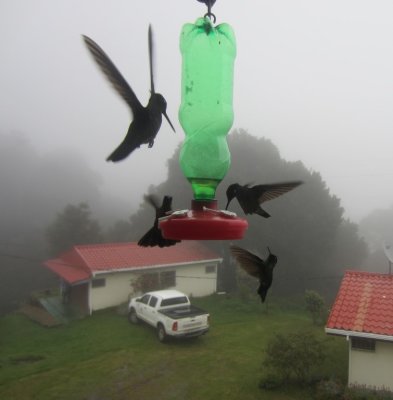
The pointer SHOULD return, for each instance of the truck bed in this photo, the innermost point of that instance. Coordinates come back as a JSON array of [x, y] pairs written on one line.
[[183, 312]]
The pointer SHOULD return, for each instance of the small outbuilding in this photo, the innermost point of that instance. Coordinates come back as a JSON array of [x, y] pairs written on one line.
[[363, 313], [99, 276]]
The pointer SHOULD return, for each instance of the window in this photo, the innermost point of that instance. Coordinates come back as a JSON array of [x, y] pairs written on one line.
[[149, 282], [173, 301], [157, 280], [98, 282], [153, 301], [145, 299], [167, 279], [358, 343], [210, 269]]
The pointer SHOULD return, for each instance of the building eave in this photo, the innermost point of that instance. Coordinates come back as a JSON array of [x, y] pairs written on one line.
[[150, 267], [367, 335]]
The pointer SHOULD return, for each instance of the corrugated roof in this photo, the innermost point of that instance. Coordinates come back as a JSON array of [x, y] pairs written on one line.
[[86, 260], [364, 304], [68, 272]]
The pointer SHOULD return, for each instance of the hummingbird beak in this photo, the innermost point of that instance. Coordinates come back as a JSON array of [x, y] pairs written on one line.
[[169, 121], [269, 250], [226, 208]]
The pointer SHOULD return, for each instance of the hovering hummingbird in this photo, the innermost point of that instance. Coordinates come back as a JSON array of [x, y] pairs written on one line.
[[146, 120], [250, 198], [153, 237], [256, 267]]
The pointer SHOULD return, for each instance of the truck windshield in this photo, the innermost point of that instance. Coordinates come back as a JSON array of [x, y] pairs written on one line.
[[174, 300]]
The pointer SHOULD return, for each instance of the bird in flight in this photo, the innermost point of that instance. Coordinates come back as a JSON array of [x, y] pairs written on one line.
[[251, 198], [256, 267], [153, 237], [146, 120]]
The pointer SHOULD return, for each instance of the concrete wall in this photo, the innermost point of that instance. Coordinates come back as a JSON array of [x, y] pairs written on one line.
[[372, 368], [194, 281], [116, 290], [190, 279]]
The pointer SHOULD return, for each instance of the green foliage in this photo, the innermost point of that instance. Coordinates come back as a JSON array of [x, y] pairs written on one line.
[[306, 231], [121, 231], [315, 305], [270, 382], [335, 390], [105, 357], [145, 282], [72, 226], [246, 286], [366, 393], [349, 248], [329, 390], [294, 354], [377, 227]]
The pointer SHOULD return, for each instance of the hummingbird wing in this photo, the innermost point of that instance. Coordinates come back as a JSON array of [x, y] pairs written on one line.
[[273, 190], [113, 75], [153, 237], [151, 58], [251, 263], [152, 200], [162, 209]]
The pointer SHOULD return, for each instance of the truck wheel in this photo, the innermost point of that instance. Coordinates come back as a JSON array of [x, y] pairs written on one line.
[[161, 333], [132, 317]]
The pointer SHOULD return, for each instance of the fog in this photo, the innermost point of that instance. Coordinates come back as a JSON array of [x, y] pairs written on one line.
[[315, 77]]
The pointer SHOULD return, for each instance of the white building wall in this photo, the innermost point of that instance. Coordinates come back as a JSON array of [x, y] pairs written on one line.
[[117, 290], [193, 280], [374, 369]]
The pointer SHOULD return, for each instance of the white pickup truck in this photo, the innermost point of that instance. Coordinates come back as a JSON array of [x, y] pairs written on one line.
[[170, 312]]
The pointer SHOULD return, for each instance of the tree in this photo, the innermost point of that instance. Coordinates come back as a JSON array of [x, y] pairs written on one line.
[[294, 354], [72, 226], [34, 185], [377, 227], [306, 229], [315, 305], [121, 231]]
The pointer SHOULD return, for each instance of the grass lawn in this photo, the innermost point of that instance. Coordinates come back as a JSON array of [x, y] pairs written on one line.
[[104, 357]]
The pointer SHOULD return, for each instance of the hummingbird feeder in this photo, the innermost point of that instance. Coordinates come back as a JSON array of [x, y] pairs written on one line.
[[206, 115]]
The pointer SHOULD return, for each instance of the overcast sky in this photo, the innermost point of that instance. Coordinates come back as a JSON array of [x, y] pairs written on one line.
[[315, 77]]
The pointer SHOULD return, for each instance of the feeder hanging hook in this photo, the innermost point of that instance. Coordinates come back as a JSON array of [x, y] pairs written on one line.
[[209, 4]]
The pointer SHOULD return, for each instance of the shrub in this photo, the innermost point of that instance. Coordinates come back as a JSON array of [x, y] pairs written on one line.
[[270, 382], [315, 305], [329, 390], [294, 355]]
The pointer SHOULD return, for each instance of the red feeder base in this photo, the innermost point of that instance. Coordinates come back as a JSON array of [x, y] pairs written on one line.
[[203, 222]]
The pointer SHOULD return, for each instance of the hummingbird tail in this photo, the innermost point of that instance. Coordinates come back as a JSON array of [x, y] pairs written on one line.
[[153, 238], [262, 213]]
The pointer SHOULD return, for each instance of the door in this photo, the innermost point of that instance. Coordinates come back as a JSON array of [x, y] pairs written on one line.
[[141, 306], [151, 311]]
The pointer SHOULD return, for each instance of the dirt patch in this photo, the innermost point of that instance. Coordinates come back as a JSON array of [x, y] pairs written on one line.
[[39, 314], [26, 359]]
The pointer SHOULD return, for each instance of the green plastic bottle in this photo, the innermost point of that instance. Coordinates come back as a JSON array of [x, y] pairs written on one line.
[[206, 110]]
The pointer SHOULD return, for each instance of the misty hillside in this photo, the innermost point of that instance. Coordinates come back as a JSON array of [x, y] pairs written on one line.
[[34, 188], [307, 231], [377, 229]]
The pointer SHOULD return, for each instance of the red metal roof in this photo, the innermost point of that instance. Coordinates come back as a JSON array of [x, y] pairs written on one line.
[[364, 304], [69, 273], [82, 261]]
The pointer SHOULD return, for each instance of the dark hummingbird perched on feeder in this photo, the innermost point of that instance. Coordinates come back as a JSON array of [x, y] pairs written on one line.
[[153, 237], [251, 198], [146, 120], [256, 267]]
